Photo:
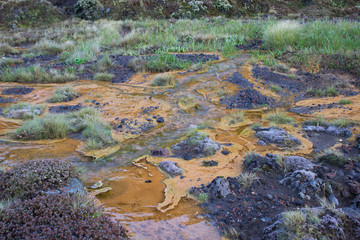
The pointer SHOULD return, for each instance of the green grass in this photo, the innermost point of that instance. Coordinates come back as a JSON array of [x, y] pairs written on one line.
[[275, 88], [340, 122], [104, 77], [279, 117], [64, 94], [163, 80], [35, 74], [7, 49], [202, 197], [47, 127], [9, 62], [95, 131], [329, 92], [345, 101], [235, 117], [23, 110]]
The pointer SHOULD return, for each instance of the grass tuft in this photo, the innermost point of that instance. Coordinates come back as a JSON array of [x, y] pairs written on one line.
[[104, 77], [64, 94], [163, 80], [279, 118]]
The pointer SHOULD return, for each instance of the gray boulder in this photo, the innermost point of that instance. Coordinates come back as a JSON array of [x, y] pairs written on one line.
[[293, 163], [277, 136], [170, 168]]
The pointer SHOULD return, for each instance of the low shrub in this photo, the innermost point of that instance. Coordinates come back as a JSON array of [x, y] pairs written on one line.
[[58, 216], [89, 9], [28, 179], [332, 157]]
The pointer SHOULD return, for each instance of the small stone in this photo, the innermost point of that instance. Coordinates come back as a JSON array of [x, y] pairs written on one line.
[[225, 152], [160, 120], [269, 196]]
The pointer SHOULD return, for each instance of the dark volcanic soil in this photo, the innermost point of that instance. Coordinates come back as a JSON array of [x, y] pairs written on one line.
[[242, 212], [247, 97], [17, 91]]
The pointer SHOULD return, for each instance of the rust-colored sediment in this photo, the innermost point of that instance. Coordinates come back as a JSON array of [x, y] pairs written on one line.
[[160, 206]]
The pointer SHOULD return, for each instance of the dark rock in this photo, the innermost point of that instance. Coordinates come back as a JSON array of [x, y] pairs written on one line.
[[225, 152], [160, 120], [210, 163], [162, 152]]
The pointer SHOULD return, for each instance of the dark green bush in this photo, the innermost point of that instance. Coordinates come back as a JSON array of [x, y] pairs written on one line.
[[89, 9], [28, 179], [58, 216]]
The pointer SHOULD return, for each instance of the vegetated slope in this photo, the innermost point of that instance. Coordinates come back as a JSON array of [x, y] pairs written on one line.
[[34, 12]]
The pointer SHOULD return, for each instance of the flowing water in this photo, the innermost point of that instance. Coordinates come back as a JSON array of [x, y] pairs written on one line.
[[152, 205]]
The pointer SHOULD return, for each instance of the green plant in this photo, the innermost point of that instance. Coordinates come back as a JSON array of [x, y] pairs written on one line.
[[235, 117], [329, 92], [7, 49], [163, 80], [332, 157], [64, 94], [345, 101], [279, 118], [105, 77], [275, 88], [246, 179], [47, 127], [282, 35], [202, 197], [88, 9]]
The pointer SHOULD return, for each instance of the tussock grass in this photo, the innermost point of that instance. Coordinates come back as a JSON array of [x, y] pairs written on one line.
[[246, 179], [235, 117], [47, 127], [64, 94], [345, 101], [105, 77], [282, 35], [163, 80], [329, 92], [321, 121], [35, 74], [279, 117], [8, 62], [103, 63], [7, 49], [95, 131], [23, 110], [46, 46]]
